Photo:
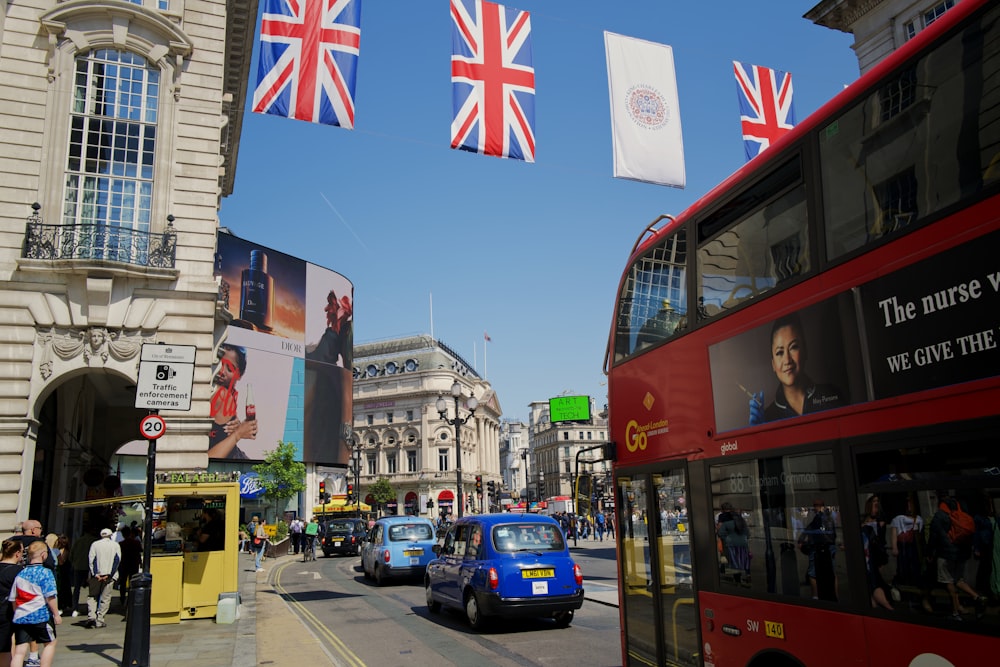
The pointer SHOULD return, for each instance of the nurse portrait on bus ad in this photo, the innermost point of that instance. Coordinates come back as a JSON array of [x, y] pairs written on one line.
[[800, 363]]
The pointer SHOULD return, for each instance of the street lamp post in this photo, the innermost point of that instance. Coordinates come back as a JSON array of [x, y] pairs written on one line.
[[527, 488], [457, 422], [354, 446]]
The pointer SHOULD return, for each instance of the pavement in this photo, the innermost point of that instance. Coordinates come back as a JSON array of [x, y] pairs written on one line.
[[205, 643]]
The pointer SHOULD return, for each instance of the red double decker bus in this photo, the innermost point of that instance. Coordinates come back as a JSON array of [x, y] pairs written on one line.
[[804, 385]]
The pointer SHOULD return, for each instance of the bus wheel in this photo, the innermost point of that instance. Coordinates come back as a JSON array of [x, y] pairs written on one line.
[[775, 660]]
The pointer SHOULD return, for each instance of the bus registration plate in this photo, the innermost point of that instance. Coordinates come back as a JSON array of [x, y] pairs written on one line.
[[776, 630], [540, 573]]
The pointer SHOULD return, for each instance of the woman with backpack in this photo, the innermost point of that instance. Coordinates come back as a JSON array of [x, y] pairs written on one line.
[[951, 542]]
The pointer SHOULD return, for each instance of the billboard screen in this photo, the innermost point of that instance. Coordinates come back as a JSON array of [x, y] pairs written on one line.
[[284, 362], [569, 409]]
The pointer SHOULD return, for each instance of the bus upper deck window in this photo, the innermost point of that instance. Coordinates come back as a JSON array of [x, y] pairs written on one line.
[[756, 241], [653, 303]]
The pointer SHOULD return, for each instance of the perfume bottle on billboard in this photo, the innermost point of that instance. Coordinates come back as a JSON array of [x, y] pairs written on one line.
[[256, 292]]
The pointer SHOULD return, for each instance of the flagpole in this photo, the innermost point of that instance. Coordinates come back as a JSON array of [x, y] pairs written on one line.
[[431, 295]]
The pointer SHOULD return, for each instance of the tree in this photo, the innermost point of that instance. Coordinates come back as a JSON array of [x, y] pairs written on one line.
[[382, 492], [282, 476]]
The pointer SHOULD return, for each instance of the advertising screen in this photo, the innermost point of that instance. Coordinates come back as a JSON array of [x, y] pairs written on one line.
[[283, 370], [569, 408]]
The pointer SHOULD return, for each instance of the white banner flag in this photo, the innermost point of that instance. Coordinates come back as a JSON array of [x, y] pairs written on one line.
[[645, 115]]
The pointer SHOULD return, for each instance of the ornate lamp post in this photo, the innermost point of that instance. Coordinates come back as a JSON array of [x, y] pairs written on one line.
[[527, 488], [354, 447], [442, 407]]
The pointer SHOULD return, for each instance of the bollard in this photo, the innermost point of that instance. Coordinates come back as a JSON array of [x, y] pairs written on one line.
[[137, 626]]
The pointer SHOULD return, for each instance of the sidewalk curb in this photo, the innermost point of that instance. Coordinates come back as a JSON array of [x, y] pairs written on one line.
[[245, 650]]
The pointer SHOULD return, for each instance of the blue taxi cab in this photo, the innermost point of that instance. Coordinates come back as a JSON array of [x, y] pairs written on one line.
[[505, 565], [397, 547]]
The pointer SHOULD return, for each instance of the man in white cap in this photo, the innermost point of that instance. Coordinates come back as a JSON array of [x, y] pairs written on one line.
[[104, 558]]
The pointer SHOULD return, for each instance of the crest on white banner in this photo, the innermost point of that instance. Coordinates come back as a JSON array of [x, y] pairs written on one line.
[[645, 114]]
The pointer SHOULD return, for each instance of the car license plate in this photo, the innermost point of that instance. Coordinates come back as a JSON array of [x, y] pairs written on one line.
[[539, 573], [413, 552], [336, 544]]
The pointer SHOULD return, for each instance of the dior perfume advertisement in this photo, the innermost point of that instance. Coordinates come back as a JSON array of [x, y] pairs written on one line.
[[283, 369]]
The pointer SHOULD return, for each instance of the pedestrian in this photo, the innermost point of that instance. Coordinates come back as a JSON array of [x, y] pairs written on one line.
[[131, 549], [610, 524], [36, 612], [105, 558], [31, 531], [600, 521], [951, 536], [260, 543], [78, 554], [296, 531], [64, 575], [10, 567]]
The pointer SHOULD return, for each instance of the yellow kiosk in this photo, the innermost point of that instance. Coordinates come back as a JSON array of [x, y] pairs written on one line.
[[195, 546]]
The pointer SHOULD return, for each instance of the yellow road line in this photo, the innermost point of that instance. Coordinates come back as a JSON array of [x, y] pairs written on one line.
[[313, 621]]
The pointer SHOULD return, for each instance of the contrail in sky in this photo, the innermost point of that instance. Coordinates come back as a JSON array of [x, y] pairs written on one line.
[[349, 228]]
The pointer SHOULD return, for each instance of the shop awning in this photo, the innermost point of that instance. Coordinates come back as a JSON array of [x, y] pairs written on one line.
[[340, 505], [112, 500]]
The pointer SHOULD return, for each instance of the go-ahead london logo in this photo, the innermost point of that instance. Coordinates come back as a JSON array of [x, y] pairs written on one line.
[[647, 107]]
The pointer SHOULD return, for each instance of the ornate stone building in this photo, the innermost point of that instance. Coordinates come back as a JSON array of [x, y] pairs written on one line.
[[554, 448], [879, 26], [120, 123], [401, 435]]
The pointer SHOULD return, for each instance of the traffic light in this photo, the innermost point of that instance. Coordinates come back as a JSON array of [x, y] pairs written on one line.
[[479, 485], [350, 494], [491, 486], [322, 492]]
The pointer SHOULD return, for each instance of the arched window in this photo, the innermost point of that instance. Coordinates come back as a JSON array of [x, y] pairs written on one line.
[[112, 148]]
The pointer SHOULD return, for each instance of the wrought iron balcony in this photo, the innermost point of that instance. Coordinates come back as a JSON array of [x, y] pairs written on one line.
[[100, 243]]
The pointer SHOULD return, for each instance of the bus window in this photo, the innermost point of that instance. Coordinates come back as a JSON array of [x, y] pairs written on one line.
[[653, 304], [749, 248], [916, 565], [779, 527], [920, 143]]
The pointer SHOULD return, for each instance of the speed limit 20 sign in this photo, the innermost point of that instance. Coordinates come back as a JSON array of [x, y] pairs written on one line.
[[152, 427]]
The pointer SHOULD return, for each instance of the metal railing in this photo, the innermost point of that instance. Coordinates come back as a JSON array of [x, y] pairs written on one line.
[[104, 243]]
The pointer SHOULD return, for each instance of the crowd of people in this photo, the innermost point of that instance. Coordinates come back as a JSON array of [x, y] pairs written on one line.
[[587, 526], [946, 562], [41, 576]]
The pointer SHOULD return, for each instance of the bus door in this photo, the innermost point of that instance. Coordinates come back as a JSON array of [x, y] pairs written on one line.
[[658, 602]]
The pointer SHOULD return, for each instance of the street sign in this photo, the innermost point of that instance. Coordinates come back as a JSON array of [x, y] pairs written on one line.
[[166, 377], [152, 427]]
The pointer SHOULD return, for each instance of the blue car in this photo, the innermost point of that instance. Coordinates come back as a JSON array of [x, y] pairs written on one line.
[[505, 565], [397, 547]]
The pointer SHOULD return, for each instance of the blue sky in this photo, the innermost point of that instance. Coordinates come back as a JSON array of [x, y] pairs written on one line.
[[530, 253]]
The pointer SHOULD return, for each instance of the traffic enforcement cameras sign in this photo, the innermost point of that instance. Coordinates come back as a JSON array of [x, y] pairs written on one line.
[[166, 377]]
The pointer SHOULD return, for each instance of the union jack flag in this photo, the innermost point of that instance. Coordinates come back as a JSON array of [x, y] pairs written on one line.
[[309, 60], [493, 81], [766, 109]]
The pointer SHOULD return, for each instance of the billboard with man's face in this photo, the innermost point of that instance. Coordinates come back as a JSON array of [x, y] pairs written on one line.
[[284, 363]]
